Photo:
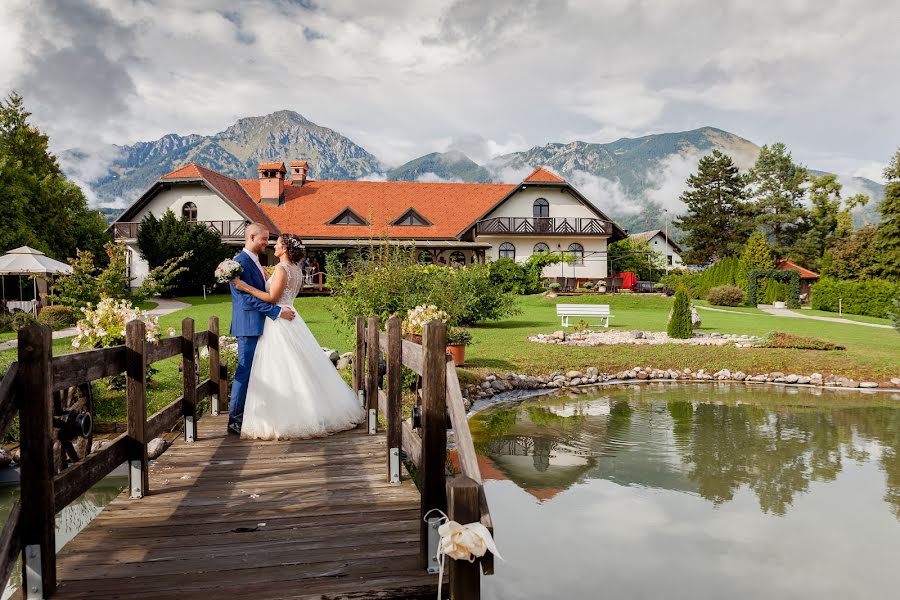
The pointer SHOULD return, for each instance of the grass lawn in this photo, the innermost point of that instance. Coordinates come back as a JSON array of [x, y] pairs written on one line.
[[860, 318], [7, 335], [872, 354]]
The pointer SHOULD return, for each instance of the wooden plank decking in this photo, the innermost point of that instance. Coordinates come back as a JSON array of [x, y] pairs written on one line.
[[228, 518]]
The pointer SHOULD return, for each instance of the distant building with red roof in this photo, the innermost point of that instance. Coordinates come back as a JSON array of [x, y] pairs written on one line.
[[807, 277], [449, 222]]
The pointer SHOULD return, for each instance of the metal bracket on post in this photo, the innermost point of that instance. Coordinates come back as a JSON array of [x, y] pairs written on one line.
[[395, 465], [134, 479], [361, 394], [434, 539], [190, 430], [214, 405], [373, 420], [34, 586]]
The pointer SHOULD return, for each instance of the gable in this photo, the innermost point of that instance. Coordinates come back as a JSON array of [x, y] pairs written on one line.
[[411, 218], [348, 217], [210, 206]]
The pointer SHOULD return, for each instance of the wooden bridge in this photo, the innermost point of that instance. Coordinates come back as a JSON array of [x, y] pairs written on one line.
[[327, 518]]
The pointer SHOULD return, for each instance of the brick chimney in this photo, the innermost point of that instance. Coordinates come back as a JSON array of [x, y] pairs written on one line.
[[271, 183], [299, 168]]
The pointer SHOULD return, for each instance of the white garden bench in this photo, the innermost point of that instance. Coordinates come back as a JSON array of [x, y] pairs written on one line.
[[600, 311]]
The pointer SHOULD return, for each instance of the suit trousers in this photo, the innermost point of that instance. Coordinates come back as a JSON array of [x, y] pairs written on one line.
[[246, 350]]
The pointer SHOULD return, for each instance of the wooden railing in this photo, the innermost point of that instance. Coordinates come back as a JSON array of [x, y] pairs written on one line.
[[543, 225], [424, 439], [226, 229], [27, 389]]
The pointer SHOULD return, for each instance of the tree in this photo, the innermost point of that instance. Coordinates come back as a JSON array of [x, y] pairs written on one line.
[[887, 242], [717, 221], [757, 253], [636, 255], [776, 184], [822, 220], [163, 239], [680, 325], [854, 256]]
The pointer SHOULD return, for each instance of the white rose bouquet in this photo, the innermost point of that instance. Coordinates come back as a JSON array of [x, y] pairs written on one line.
[[227, 270]]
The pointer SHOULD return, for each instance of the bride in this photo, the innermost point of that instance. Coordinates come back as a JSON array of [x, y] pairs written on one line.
[[294, 391]]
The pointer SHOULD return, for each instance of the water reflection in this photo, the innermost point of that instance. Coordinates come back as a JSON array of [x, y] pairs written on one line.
[[666, 437]]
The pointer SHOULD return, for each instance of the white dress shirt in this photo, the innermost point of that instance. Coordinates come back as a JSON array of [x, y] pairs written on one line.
[[256, 262]]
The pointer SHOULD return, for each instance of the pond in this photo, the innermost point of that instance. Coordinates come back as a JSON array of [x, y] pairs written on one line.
[[694, 491], [69, 521]]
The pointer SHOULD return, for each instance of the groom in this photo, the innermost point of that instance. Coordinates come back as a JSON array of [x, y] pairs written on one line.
[[248, 315]]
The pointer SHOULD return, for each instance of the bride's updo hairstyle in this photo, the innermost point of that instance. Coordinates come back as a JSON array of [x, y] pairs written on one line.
[[292, 246]]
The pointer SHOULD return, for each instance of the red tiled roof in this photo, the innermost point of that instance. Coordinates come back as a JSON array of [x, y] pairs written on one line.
[[786, 265], [542, 175], [300, 163], [450, 207], [227, 187], [277, 166]]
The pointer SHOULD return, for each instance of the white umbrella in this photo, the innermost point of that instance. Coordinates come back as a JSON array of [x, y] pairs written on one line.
[[28, 261]]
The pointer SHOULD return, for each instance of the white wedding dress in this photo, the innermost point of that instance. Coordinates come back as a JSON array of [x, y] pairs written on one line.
[[294, 391]]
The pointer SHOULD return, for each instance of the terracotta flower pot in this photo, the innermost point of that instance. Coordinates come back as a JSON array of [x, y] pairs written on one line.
[[458, 352]]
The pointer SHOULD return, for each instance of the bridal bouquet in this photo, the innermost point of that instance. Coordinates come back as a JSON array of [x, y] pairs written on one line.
[[227, 270]]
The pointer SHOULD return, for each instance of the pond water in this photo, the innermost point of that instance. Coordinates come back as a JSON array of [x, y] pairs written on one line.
[[69, 521], [694, 491]]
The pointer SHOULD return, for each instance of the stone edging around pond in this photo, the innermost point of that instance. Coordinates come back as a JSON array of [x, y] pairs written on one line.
[[591, 338], [496, 384]]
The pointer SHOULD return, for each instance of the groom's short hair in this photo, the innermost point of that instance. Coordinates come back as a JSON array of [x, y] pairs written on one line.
[[254, 229]]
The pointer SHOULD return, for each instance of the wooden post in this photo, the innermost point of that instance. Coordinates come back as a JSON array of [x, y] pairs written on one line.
[[465, 577], [33, 388], [189, 370], [216, 402], [394, 397], [136, 399], [372, 355], [359, 357], [434, 437], [223, 387]]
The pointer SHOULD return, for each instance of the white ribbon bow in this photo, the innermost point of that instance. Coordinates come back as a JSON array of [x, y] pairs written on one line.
[[461, 542]]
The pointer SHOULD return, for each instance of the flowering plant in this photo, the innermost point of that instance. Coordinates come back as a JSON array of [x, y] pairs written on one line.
[[420, 315], [104, 325], [227, 270]]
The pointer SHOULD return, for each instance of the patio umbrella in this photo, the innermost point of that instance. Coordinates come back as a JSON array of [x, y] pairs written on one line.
[[28, 261]]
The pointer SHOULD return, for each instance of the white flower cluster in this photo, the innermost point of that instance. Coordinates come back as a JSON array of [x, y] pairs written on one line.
[[420, 315], [104, 325], [227, 270]]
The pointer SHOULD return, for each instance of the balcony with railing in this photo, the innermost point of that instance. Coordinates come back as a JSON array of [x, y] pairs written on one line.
[[229, 230], [543, 226]]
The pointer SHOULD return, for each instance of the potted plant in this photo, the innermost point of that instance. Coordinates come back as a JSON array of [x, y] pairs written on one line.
[[588, 285], [417, 317], [457, 340]]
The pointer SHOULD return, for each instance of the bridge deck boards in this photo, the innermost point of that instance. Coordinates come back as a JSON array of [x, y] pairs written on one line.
[[287, 519]]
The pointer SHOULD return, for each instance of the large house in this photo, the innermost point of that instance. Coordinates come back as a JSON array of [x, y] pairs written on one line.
[[448, 223]]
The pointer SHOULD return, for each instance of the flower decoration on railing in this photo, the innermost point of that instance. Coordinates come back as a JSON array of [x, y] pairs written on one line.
[[104, 325], [418, 316]]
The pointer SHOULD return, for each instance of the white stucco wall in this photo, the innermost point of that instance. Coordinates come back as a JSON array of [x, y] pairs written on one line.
[[210, 207], [562, 204], [137, 266], [658, 243], [595, 257]]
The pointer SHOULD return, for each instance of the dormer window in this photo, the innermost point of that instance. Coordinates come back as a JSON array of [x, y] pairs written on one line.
[[541, 209], [348, 217], [411, 218], [189, 211]]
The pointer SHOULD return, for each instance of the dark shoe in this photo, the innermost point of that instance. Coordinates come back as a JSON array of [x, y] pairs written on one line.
[[234, 427]]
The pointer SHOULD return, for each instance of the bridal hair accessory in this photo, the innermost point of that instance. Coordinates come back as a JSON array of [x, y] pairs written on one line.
[[294, 242], [461, 542]]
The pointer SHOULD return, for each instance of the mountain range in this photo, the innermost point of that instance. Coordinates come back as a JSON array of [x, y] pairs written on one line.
[[631, 179]]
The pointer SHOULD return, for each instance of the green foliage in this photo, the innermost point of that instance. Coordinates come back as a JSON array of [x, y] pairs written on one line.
[[825, 198], [774, 291], [757, 253], [873, 297], [57, 317], [163, 239], [334, 266], [894, 314], [790, 277], [779, 339], [716, 221], [458, 335], [777, 193], [79, 288], [680, 326], [854, 256], [588, 285], [113, 281], [21, 319], [522, 278], [887, 242], [637, 256], [726, 295], [387, 280], [688, 280], [555, 287], [160, 281]]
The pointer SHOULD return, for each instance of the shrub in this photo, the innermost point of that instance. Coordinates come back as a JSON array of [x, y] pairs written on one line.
[[894, 315], [458, 335], [522, 278], [873, 297], [21, 320], [81, 286], [57, 317], [555, 287], [774, 291], [779, 339], [726, 295], [588, 285], [680, 325], [683, 279]]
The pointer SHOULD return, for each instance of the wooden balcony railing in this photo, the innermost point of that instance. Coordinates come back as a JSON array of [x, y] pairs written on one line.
[[227, 229], [543, 226]]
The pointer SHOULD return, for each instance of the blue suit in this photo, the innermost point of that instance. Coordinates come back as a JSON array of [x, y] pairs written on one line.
[[248, 317]]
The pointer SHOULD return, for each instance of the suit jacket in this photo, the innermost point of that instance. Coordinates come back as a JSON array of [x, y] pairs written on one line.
[[248, 314]]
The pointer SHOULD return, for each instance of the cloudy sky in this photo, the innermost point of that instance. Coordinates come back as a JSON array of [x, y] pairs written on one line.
[[403, 78]]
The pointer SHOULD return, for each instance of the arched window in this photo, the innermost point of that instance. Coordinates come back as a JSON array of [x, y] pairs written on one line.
[[541, 247], [577, 253], [189, 211], [541, 208], [507, 250], [426, 258], [457, 258]]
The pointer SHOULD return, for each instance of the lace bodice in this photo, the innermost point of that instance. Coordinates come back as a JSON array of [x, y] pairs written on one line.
[[294, 279]]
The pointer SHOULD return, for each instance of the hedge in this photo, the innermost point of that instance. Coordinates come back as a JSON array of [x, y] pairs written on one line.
[[790, 277], [872, 297]]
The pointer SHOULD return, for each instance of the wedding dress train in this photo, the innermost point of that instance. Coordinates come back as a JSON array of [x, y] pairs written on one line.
[[294, 391]]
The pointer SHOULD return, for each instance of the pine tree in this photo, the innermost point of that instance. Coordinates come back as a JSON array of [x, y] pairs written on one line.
[[777, 193], [822, 221], [717, 222], [887, 242], [680, 325], [757, 253]]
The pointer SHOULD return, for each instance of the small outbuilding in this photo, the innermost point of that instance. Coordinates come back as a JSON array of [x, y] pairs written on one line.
[[807, 277]]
